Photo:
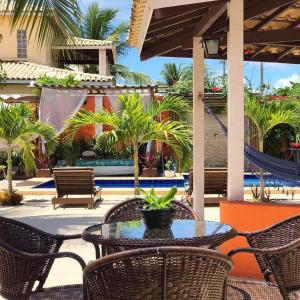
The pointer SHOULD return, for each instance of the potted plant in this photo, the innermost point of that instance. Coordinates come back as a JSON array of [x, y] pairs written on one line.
[[169, 171], [150, 169], [158, 211], [296, 143]]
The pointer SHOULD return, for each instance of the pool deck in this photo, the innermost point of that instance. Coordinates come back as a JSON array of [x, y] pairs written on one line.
[[26, 187]]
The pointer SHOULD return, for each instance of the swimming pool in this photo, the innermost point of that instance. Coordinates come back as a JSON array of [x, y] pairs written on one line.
[[249, 181]]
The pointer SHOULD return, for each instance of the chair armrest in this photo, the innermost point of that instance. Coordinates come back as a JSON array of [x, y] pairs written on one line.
[[69, 237], [64, 255], [245, 234], [247, 250]]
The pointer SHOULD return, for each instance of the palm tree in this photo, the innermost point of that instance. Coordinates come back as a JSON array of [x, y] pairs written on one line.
[[100, 24], [53, 20], [172, 73], [134, 125], [18, 131], [265, 116]]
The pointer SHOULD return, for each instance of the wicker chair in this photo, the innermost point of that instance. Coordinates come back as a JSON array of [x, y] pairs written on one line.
[[158, 273], [128, 211], [28, 239], [284, 262], [19, 271], [277, 235]]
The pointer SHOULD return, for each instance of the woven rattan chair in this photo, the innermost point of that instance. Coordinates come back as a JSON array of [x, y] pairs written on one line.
[[158, 274], [128, 211], [28, 239], [277, 235], [74, 182], [284, 262], [19, 271]]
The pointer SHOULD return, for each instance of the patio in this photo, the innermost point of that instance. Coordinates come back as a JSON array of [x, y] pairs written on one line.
[[38, 212], [251, 30]]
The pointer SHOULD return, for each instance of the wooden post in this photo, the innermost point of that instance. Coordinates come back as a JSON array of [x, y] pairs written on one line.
[[235, 56], [198, 127]]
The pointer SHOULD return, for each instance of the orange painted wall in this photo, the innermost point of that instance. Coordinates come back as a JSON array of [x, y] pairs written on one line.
[[247, 217], [108, 107], [90, 130]]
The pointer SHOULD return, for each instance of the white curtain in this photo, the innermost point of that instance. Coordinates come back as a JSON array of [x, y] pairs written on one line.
[[57, 105], [113, 96]]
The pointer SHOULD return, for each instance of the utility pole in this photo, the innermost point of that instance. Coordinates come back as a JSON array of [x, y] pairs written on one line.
[[261, 78]]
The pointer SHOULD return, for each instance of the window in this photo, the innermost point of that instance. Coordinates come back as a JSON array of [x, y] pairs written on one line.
[[22, 44]]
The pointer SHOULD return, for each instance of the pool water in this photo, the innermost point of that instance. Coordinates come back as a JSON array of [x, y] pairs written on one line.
[[249, 181]]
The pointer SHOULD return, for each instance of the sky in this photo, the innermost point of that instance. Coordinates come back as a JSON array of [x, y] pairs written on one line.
[[278, 75]]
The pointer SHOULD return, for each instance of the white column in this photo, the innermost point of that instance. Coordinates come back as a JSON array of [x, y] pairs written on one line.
[[198, 127], [102, 62], [98, 106], [235, 57]]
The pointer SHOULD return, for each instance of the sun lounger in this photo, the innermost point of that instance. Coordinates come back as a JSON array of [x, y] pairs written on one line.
[[75, 182]]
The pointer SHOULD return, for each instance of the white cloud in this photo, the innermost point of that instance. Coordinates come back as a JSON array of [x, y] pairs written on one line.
[[283, 82]]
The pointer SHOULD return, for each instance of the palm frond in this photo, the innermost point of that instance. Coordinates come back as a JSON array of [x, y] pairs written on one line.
[[52, 20]]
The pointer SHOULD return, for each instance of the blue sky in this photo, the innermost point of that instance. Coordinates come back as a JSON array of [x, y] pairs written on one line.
[[277, 75]]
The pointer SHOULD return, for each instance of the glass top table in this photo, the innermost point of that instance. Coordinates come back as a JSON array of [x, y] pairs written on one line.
[[133, 234]]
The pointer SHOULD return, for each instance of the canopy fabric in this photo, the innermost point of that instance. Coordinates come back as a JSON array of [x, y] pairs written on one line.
[[277, 167], [57, 105], [113, 96]]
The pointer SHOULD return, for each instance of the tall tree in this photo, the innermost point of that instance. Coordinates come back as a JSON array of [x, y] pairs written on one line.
[[134, 125], [18, 131], [53, 20], [265, 116], [101, 24], [172, 73]]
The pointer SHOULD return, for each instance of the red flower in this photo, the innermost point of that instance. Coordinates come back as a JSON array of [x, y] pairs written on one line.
[[216, 89]]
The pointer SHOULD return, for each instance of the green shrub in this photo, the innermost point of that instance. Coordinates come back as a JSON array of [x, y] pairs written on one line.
[[68, 80]]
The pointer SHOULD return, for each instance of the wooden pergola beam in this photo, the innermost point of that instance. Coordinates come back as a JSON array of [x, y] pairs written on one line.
[[171, 12], [214, 13], [259, 50], [272, 16], [258, 7], [285, 53], [169, 44], [272, 36]]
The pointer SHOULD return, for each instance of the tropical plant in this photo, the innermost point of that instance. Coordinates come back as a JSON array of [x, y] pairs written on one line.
[[100, 24], [134, 125], [172, 73], [150, 160], [68, 80], [52, 20], [154, 202], [265, 116], [18, 131]]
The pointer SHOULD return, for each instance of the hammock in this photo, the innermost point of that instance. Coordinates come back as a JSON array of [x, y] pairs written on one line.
[[278, 167]]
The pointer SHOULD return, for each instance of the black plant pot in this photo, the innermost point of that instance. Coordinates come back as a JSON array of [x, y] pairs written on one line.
[[159, 218]]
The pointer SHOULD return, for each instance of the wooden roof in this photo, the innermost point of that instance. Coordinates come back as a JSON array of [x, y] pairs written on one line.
[[272, 29]]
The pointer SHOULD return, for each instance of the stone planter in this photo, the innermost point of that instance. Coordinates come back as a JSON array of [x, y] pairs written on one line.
[[46, 173], [150, 172], [169, 174], [251, 216]]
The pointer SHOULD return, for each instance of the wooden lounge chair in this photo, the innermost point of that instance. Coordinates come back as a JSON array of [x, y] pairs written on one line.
[[75, 182], [215, 183], [158, 273]]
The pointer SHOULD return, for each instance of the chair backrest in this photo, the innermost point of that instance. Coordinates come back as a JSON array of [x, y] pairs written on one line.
[[158, 273], [128, 211], [28, 239], [277, 235], [74, 181], [284, 263], [215, 180]]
